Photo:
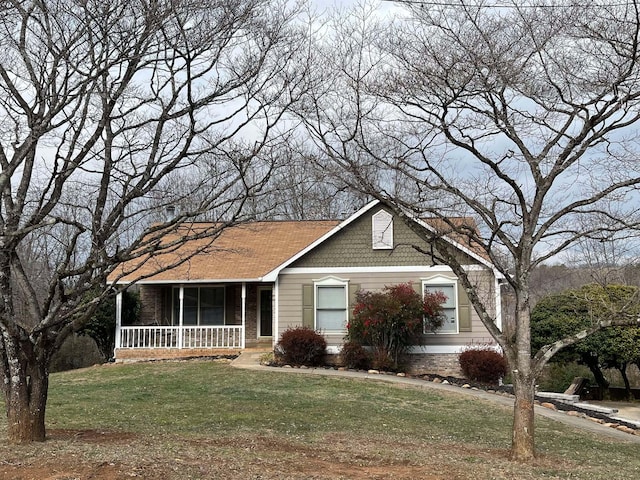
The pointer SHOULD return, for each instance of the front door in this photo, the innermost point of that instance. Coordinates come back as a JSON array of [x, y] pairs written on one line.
[[265, 310]]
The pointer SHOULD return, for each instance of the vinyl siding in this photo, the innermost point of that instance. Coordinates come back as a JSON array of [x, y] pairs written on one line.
[[352, 247], [291, 308]]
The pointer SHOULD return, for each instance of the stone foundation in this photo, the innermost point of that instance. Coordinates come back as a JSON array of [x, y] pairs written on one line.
[[442, 364], [445, 364]]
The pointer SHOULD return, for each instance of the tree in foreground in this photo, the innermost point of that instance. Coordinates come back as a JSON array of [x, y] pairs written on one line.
[[522, 117], [105, 108]]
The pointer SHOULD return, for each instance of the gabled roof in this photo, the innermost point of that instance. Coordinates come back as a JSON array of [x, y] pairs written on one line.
[[258, 251], [245, 252]]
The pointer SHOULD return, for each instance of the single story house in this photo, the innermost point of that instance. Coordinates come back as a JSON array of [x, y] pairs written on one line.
[[258, 279]]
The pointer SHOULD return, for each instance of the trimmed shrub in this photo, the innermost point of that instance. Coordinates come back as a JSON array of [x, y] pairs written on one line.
[[391, 320], [354, 355], [483, 364], [301, 346]]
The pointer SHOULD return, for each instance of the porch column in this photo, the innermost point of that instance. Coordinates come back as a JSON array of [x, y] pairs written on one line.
[[276, 312], [243, 310], [180, 316], [118, 322]]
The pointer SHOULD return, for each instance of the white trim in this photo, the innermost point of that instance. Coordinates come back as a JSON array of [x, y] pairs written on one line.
[[243, 313], [261, 288], [444, 281], [276, 312], [420, 349], [386, 269], [214, 281], [498, 292], [118, 321], [275, 272], [437, 349], [330, 282]]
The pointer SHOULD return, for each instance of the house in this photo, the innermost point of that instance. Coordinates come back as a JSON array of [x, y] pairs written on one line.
[[258, 279]]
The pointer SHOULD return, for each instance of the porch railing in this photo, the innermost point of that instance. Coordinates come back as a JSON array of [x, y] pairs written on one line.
[[228, 336]]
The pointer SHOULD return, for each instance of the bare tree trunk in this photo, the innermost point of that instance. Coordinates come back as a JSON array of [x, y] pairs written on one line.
[[26, 383], [523, 447], [524, 379]]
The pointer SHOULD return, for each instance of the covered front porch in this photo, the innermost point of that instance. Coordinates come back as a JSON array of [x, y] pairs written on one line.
[[190, 320]]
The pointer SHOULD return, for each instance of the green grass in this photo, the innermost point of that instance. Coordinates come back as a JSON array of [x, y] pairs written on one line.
[[202, 402]]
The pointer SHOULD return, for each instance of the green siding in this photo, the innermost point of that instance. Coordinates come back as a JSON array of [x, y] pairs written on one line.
[[352, 247]]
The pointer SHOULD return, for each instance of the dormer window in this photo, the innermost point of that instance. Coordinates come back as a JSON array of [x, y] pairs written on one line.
[[382, 230]]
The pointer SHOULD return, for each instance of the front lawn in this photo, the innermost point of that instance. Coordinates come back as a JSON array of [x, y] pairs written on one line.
[[205, 419]]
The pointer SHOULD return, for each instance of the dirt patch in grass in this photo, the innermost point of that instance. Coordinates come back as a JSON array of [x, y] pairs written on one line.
[[103, 455]]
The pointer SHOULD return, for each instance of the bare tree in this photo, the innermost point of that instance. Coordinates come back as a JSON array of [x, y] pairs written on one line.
[[100, 102], [524, 117]]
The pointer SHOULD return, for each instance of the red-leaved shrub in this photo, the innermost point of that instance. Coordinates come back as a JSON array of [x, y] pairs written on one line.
[[391, 320], [301, 346], [354, 355], [483, 364]]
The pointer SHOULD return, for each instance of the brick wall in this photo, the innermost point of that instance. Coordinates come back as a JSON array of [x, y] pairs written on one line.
[[151, 304]]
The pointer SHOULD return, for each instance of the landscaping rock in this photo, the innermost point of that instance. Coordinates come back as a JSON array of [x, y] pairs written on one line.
[[373, 372], [548, 405]]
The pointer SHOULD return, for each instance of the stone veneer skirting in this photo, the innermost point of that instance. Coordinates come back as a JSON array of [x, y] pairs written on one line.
[[444, 364]]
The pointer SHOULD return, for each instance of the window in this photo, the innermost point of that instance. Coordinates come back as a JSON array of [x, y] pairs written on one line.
[[201, 306], [331, 305], [382, 230], [450, 310]]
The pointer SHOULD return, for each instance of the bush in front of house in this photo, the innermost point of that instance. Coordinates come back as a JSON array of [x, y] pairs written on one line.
[[354, 355], [483, 364], [391, 320], [301, 346]]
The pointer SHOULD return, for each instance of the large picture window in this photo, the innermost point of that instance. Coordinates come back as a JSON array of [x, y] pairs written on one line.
[[201, 306], [331, 305], [450, 309]]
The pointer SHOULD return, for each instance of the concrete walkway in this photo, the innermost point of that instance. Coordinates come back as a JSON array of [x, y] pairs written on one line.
[[251, 361]]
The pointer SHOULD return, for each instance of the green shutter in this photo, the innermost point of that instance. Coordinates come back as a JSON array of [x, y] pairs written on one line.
[[307, 306], [353, 289], [464, 310]]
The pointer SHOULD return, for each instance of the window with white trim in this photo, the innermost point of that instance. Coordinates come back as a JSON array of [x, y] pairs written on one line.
[[382, 230], [331, 305], [449, 288], [201, 306]]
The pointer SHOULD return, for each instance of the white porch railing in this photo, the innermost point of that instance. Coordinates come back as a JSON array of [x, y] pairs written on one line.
[[229, 336]]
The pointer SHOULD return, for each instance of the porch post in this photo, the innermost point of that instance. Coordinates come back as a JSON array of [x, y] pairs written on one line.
[[276, 312], [244, 314], [180, 316], [118, 322]]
